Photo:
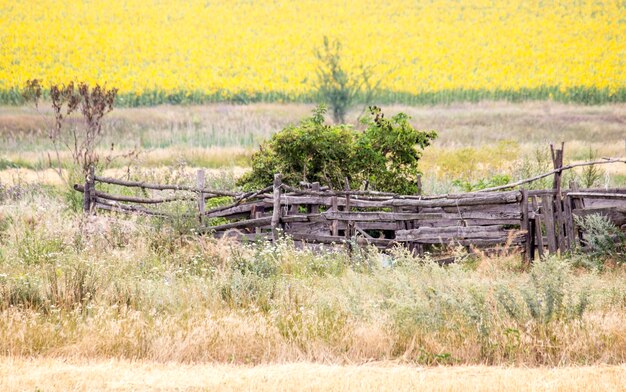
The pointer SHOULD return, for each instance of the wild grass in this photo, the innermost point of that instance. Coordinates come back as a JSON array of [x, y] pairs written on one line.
[[478, 142], [136, 289], [124, 375]]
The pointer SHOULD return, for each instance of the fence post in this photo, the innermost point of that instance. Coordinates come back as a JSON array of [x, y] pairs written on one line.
[[201, 183], [538, 233], [315, 208], [578, 203], [278, 181], [89, 197], [547, 206], [334, 225], [348, 232], [559, 222], [557, 163], [525, 225]]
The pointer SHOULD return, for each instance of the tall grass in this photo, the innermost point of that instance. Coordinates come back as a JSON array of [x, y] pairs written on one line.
[[108, 286]]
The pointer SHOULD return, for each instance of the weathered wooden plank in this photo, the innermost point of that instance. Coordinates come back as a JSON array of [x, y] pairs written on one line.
[[362, 232], [467, 222], [617, 215], [400, 223], [557, 162], [293, 209], [509, 218], [472, 195], [116, 207], [481, 214], [559, 223], [511, 239], [133, 199], [275, 220], [236, 210], [569, 222], [294, 218], [459, 230], [525, 226], [327, 192], [347, 209], [243, 224], [314, 208], [200, 183], [137, 184], [383, 226], [256, 213], [576, 188], [308, 228], [593, 195], [538, 229], [326, 201], [90, 193], [334, 207], [548, 215], [483, 199], [372, 216]]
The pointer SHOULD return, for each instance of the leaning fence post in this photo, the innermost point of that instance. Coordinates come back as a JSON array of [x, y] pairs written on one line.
[[89, 197], [201, 182], [278, 180]]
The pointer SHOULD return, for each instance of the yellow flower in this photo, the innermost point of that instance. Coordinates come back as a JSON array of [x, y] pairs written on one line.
[[268, 46]]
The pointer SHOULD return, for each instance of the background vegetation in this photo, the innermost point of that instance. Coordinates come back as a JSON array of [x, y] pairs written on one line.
[[440, 51], [384, 155], [102, 287]]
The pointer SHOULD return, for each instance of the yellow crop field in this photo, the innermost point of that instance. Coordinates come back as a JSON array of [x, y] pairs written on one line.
[[266, 48]]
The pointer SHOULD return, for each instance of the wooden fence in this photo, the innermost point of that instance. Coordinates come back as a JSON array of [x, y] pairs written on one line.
[[537, 222]]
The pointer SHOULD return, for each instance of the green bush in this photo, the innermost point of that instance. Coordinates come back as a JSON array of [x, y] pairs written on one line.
[[603, 240], [385, 154]]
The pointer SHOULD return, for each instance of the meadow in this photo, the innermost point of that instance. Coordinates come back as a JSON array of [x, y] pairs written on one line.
[[88, 297], [422, 52], [476, 142]]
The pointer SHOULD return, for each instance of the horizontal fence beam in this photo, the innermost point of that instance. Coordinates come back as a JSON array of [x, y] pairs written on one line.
[[542, 222]]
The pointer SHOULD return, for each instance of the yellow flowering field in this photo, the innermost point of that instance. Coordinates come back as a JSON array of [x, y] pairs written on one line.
[[212, 49]]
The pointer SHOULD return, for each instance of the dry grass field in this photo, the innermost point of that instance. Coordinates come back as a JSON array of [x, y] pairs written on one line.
[[476, 140], [71, 375], [133, 303]]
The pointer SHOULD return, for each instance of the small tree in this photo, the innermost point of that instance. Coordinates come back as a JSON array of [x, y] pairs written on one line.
[[336, 86], [93, 103], [386, 154]]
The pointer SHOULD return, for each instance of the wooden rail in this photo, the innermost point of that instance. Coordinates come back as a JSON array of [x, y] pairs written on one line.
[[535, 222]]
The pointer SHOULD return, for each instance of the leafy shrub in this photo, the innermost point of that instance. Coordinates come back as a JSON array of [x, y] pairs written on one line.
[[35, 248], [602, 239], [385, 154], [546, 296], [20, 291]]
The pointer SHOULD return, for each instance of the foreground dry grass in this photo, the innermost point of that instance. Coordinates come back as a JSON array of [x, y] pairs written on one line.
[[54, 374]]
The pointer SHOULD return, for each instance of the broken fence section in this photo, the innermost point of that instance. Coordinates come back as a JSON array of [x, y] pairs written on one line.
[[537, 222]]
